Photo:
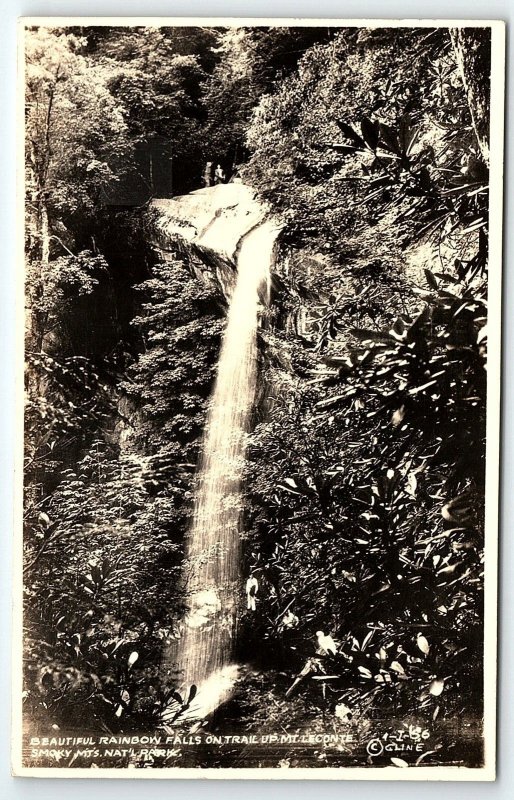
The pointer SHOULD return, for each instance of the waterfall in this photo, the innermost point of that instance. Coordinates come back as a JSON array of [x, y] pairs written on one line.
[[205, 650]]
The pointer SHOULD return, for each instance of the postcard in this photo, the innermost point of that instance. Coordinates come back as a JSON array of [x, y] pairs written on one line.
[[260, 275]]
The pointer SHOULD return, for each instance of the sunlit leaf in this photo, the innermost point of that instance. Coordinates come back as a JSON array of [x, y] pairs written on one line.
[[398, 762], [133, 657], [436, 687]]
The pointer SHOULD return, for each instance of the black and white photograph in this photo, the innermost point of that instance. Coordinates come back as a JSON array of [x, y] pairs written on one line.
[[262, 335]]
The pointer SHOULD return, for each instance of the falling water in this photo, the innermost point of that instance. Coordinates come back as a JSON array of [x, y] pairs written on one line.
[[213, 549]]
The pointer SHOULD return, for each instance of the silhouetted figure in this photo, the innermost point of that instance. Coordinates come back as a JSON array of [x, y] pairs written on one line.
[[207, 175], [219, 175]]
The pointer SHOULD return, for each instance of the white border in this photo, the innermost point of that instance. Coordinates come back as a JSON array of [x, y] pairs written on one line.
[[268, 21], [436, 773]]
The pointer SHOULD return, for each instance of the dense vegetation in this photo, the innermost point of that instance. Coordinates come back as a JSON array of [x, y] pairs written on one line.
[[365, 477]]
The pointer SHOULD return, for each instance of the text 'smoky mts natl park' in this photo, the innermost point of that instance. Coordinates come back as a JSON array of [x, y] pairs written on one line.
[[259, 529]]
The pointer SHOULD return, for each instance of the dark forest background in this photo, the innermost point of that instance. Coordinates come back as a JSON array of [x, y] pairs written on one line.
[[365, 477]]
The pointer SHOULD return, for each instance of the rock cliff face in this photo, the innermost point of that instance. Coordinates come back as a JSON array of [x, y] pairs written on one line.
[[206, 230], [208, 227]]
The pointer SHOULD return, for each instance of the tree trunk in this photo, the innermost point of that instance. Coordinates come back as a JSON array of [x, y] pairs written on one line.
[[45, 234], [472, 48]]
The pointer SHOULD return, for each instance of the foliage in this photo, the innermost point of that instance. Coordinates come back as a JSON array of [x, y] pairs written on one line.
[[366, 480], [97, 514], [298, 158], [170, 383], [251, 63], [75, 131], [115, 521], [374, 488]]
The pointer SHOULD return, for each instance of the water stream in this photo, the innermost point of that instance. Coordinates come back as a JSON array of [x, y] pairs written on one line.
[[214, 582]]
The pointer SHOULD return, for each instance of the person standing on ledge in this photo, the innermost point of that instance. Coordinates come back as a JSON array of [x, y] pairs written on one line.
[[219, 175], [207, 175]]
